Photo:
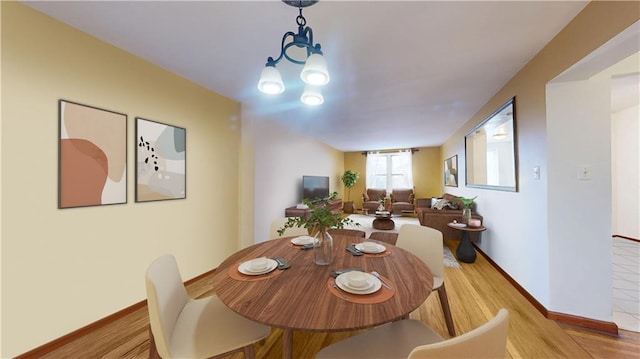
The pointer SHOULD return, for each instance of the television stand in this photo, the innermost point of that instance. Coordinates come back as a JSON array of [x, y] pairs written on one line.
[[334, 205]]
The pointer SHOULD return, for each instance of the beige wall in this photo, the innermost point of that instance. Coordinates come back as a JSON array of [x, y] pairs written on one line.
[[356, 162], [583, 104], [280, 158], [427, 173], [518, 236], [63, 269]]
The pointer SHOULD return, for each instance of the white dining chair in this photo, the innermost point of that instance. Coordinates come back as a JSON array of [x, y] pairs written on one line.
[[426, 243], [182, 327], [410, 338], [294, 231]]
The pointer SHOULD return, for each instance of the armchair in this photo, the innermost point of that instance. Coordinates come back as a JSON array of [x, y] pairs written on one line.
[[402, 200], [370, 198]]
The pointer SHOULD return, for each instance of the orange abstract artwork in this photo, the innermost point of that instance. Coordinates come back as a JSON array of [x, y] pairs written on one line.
[[93, 154]]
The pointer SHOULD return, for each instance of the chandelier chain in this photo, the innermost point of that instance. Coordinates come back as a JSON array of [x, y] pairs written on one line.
[[300, 20]]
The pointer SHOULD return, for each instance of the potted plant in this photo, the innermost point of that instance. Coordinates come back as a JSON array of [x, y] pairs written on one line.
[[317, 223], [466, 210], [349, 179]]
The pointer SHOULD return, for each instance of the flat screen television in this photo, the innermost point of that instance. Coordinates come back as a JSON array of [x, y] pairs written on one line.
[[314, 187]]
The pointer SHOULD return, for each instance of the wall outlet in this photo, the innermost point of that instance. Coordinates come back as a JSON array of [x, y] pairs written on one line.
[[585, 172]]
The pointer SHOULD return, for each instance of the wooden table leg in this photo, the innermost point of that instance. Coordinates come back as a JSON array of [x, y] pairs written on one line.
[[287, 344]]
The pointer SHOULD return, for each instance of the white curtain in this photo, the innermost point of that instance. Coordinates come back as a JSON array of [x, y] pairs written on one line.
[[405, 167], [373, 160]]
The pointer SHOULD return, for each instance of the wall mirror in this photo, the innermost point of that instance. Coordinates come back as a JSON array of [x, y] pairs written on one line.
[[490, 151]]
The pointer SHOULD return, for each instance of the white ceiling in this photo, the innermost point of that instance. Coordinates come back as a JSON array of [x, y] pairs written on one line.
[[403, 74]]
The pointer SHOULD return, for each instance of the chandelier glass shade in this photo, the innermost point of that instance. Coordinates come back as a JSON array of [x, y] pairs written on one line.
[[271, 81], [311, 96], [314, 73]]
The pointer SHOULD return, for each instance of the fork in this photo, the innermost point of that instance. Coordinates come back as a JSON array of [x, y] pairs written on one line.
[[385, 284], [344, 296]]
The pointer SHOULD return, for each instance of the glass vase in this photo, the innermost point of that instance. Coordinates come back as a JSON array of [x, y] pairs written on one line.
[[323, 249], [466, 215]]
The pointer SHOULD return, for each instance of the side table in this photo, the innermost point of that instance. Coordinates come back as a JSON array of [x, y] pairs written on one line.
[[383, 223], [465, 251]]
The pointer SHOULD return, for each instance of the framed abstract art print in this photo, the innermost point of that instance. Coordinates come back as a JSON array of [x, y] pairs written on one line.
[[161, 159], [92, 150], [451, 171]]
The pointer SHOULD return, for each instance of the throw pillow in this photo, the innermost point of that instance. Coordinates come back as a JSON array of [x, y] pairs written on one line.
[[434, 201], [441, 204]]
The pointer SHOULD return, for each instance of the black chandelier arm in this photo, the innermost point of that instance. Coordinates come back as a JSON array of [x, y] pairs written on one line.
[[284, 52], [304, 37], [270, 60], [308, 36], [317, 49]]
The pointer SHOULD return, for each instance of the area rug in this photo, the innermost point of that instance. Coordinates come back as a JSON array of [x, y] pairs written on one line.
[[366, 226], [449, 259], [366, 223]]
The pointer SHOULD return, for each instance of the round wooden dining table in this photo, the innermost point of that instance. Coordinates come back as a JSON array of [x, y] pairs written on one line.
[[300, 298]]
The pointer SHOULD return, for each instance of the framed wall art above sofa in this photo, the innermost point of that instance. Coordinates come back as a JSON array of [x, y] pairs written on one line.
[[451, 171]]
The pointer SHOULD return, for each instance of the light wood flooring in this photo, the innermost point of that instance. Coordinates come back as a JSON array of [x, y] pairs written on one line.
[[476, 292]]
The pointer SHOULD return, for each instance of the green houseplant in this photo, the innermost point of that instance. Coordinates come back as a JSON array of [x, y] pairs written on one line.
[[466, 210], [317, 223], [349, 179]]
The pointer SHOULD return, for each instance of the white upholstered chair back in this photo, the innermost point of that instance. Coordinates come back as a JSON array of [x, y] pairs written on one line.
[[488, 341], [166, 296], [184, 327], [426, 243], [411, 338]]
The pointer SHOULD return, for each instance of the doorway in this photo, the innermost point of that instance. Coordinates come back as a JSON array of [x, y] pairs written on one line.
[[599, 165]]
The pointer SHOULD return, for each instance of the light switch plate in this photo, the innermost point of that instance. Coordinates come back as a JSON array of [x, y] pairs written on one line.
[[585, 172], [536, 172]]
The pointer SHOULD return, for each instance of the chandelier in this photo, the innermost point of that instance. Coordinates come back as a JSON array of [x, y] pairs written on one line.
[[314, 73]]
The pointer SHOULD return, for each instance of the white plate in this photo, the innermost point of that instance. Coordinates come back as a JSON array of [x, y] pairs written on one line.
[[380, 248], [459, 225], [374, 285], [245, 268], [302, 240]]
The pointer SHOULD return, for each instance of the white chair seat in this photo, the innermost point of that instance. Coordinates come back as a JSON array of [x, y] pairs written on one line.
[[207, 326], [183, 327], [389, 341], [413, 340]]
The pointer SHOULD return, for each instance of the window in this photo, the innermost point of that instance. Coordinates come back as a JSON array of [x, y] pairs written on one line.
[[389, 170]]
